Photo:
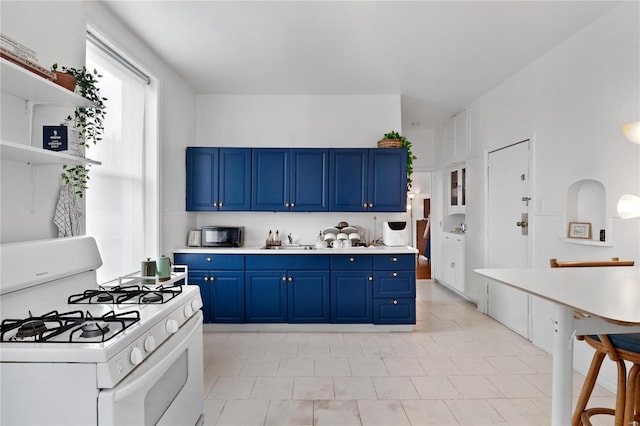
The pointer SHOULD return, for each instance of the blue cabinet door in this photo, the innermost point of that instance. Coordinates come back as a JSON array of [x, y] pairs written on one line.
[[351, 297], [198, 278], [235, 179], [270, 179], [348, 179], [202, 178], [226, 296], [218, 179], [309, 191], [308, 296], [387, 186], [266, 296]]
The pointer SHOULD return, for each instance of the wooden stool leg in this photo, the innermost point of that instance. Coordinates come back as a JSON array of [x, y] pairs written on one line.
[[587, 387], [622, 392], [632, 395]]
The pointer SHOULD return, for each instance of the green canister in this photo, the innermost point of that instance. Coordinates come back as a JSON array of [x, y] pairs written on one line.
[[163, 268]]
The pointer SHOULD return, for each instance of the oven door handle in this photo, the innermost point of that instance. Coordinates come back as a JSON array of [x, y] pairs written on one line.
[[158, 369]]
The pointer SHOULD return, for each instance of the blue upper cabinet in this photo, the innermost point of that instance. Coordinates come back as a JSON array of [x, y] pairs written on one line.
[[218, 179], [372, 180], [309, 190], [290, 179], [270, 177], [348, 179], [387, 180]]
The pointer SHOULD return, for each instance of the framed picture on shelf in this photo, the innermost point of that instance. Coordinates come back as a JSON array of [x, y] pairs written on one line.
[[580, 230]]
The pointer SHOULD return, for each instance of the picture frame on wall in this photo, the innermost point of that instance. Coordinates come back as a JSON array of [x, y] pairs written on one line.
[[580, 230]]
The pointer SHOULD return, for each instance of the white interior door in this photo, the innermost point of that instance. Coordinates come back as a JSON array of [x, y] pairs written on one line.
[[508, 247]]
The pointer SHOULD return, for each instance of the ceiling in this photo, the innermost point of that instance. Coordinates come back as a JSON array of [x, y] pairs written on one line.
[[439, 55]]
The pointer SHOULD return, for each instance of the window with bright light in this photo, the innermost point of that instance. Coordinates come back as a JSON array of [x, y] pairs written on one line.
[[121, 199]]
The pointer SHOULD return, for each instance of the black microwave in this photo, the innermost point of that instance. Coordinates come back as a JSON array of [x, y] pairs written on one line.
[[222, 236]]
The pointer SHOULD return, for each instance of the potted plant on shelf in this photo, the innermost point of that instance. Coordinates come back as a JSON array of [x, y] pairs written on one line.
[[393, 139], [89, 121]]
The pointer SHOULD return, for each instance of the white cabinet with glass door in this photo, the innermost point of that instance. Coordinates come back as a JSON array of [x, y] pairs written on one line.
[[456, 190]]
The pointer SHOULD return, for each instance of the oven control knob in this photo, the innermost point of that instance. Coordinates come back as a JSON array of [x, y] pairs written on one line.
[[149, 344], [136, 356], [195, 304], [172, 326], [188, 311]]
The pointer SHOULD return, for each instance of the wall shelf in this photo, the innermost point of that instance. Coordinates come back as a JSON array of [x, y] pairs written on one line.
[[24, 84], [38, 156], [588, 242]]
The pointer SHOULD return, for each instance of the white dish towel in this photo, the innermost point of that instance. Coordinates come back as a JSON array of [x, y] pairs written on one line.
[[68, 212]]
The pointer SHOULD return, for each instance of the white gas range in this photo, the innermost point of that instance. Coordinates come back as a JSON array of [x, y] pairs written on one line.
[[74, 353]]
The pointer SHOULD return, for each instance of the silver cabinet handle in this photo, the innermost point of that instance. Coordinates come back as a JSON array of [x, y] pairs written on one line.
[[212, 279], [394, 259], [220, 204], [206, 278], [215, 204], [286, 204], [395, 302], [370, 205], [290, 279], [209, 259], [395, 274], [293, 205], [370, 278], [284, 278], [365, 205], [352, 259]]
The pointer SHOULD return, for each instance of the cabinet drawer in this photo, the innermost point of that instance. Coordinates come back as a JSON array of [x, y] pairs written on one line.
[[394, 311], [287, 261], [352, 263], [394, 262], [394, 284], [209, 261]]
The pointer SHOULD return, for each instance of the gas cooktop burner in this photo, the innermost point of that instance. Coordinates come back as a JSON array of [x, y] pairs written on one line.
[[133, 294], [94, 329], [67, 327], [31, 328]]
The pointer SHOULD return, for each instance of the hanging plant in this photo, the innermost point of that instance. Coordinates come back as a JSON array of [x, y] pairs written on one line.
[[89, 121], [404, 143]]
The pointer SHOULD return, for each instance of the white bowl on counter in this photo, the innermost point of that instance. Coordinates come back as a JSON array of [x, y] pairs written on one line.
[[329, 236], [342, 236]]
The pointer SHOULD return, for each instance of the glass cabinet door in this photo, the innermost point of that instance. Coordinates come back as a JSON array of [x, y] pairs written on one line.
[[454, 188]]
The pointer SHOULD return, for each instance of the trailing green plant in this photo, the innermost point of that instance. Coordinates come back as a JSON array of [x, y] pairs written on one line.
[[89, 121], [410, 156]]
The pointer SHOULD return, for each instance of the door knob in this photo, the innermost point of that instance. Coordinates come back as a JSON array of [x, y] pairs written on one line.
[[523, 224]]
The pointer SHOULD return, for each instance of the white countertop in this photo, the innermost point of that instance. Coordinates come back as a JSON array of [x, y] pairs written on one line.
[[606, 292], [328, 251]]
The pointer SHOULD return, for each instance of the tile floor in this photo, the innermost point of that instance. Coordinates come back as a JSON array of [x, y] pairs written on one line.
[[459, 367]]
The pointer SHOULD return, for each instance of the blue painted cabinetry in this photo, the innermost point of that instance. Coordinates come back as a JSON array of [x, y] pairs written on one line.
[[287, 288], [368, 179], [394, 289], [351, 289], [218, 179], [290, 179], [221, 280], [315, 288]]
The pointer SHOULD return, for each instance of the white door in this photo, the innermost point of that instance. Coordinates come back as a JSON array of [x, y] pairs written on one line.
[[508, 247]]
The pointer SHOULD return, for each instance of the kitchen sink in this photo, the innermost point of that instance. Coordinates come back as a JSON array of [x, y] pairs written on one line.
[[301, 247]]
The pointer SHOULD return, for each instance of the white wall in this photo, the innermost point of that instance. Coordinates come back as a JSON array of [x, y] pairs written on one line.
[[294, 121], [60, 37], [573, 100]]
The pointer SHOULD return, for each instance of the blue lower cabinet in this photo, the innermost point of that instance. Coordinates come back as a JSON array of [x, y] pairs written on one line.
[[308, 299], [266, 296], [226, 296], [351, 297], [394, 311], [287, 296], [198, 278]]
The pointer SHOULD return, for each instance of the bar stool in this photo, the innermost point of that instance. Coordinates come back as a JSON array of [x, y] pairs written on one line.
[[619, 347]]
